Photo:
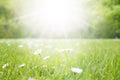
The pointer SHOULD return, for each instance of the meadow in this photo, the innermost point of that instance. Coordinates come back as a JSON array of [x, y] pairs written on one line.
[[60, 59]]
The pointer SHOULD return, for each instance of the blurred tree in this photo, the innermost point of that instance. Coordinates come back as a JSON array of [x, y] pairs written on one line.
[[8, 27], [106, 19]]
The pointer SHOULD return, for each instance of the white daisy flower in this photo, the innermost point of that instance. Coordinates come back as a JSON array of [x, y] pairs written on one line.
[[30, 78], [34, 67], [38, 52], [59, 50], [64, 50], [8, 44], [45, 58], [5, 65], [21, 66], [44, 66], [69, 50], [76, 70], [20, 46]]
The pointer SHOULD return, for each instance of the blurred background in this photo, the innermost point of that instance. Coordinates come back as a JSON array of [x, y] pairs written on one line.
[[101, 19]]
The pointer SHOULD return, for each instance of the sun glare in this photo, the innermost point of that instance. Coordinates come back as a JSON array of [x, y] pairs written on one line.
[[57, 17]]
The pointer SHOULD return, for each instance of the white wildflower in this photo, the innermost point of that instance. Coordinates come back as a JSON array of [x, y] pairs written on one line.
[[30, 78], [34, 67], [59, 50], [21, 66], [9, 44], [44, 66], [38, 52], [69, 50], [45, 58], [76, 70], [20, 46], [62, 65], [64, 50], [5, 65]]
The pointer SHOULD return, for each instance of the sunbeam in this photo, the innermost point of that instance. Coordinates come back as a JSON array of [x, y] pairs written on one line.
[[52, 17]]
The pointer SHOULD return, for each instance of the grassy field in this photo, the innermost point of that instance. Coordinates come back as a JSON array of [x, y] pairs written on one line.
[[56, 59]]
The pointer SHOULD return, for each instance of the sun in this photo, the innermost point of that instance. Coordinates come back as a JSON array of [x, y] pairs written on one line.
[[57, 17]]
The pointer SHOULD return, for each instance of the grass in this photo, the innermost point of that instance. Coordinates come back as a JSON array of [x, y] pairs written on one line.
[[99, 59]]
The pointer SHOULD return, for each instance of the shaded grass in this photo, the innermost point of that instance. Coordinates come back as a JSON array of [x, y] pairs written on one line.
[[99, 59]]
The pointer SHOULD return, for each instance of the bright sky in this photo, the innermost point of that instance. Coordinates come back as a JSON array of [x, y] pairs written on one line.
[[53, 16]]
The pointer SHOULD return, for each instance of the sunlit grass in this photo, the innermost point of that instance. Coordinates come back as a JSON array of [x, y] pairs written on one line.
[[59, 60]]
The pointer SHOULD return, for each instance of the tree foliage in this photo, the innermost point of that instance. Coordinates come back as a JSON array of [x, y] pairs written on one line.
[[8, 27], [106, 19]]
